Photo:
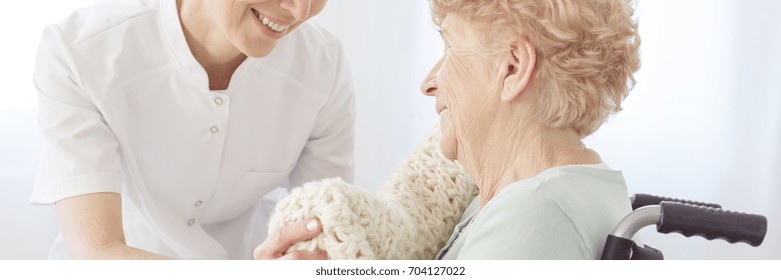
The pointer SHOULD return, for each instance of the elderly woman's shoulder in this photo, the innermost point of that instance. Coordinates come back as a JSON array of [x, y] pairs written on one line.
[[590, 198], [568, 211], [570, 188]]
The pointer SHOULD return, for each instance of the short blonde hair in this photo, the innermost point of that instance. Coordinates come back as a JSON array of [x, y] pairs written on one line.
[[587, 52]]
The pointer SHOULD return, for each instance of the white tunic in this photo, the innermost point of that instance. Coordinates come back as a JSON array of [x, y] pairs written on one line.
[[125, 108]]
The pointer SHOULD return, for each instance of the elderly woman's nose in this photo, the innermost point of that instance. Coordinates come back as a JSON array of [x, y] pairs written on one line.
[[429, 85], [298, 8]]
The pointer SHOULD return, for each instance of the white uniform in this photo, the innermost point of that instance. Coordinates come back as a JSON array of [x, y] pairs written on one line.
[[126, 108]]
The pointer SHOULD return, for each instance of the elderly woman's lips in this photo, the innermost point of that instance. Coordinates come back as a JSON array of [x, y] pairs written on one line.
[[440, 108]]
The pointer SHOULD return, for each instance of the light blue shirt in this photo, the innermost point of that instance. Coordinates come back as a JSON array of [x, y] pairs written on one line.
[[562, 213]]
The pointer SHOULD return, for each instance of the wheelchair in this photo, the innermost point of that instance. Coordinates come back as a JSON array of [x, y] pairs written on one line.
[[686, 217]]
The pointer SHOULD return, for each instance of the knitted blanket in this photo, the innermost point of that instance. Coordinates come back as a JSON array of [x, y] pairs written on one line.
[[411, 217]]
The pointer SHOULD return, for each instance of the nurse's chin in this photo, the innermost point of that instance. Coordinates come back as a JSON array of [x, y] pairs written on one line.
[[259, 51]]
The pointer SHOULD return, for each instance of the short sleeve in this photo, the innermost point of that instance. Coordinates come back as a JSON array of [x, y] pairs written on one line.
[[80, 153], [329, 150], [523, 225]]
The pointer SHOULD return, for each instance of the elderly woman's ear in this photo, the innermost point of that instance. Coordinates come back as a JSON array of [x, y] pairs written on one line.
[[518, 68]]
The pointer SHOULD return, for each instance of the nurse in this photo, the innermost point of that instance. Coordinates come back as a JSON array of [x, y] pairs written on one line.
[[169, 124]]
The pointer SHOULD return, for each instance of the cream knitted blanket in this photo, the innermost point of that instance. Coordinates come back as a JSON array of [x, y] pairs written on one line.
[[411, 217]]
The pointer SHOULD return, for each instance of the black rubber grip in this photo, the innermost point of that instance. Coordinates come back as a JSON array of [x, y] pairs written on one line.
[[640, 200], [712, 223]]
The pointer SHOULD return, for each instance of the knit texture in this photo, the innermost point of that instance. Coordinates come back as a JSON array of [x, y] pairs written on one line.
[[411, 217]]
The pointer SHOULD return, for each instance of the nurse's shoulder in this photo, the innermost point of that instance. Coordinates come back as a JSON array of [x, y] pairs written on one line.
[[85, 23], [103, 45]]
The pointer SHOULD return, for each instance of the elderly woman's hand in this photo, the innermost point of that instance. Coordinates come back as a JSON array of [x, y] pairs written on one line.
[[276, 246]]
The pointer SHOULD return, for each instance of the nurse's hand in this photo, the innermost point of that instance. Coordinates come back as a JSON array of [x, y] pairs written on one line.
[[276, 245]]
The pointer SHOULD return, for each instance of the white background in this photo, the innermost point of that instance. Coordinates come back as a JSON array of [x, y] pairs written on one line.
[[703, 123]]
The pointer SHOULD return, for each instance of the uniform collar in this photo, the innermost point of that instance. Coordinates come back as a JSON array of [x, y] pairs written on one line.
[[173, 35]]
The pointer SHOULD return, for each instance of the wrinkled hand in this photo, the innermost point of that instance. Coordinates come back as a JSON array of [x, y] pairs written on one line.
[[276, 245]]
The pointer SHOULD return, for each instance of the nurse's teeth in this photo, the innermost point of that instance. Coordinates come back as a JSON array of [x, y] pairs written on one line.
[[272, 25]]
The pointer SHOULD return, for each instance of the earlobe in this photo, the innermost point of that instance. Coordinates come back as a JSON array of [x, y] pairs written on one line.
[[519, 69]]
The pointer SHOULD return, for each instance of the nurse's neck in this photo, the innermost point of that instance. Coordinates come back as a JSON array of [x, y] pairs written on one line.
[[218, 57]]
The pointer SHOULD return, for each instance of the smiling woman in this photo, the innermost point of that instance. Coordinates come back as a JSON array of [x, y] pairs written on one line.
[[167, 122], [519, 86]]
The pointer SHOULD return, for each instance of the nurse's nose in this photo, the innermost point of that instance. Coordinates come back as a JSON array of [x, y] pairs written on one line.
[[298, 8]]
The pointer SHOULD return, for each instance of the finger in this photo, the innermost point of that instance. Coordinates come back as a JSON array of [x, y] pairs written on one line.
[[305, 255], [294, 233], [260, 253], [278, 243]]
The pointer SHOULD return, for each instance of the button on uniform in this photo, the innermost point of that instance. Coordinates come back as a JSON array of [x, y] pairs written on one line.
[[214, 129], [198, 203], [218, 101], [191, 222]]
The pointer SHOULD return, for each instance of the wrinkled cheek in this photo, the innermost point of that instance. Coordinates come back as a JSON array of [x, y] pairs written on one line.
[[458, 72], [468, 89], [455, 84], [448, 144]]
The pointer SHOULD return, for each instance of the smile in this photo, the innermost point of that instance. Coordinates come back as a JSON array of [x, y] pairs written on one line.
[[275, 27]]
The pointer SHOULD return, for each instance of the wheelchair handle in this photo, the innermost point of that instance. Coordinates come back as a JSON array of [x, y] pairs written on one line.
[[640, 200], [689, 220], [712, 223]]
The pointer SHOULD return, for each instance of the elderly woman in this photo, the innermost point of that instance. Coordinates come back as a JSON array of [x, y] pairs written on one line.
[[519, 86]]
